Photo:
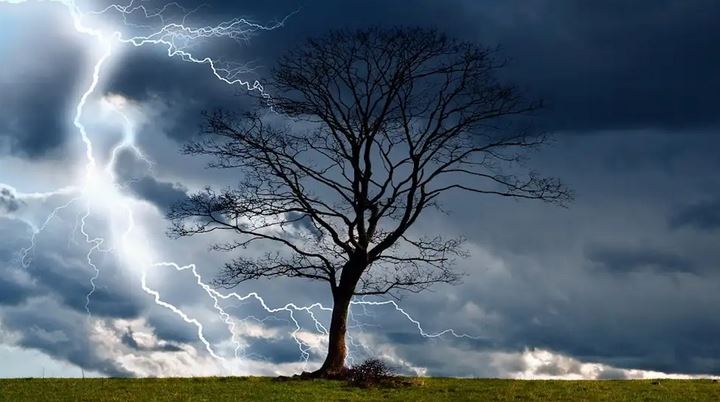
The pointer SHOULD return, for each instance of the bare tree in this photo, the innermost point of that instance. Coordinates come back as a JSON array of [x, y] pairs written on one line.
[[384, 122]]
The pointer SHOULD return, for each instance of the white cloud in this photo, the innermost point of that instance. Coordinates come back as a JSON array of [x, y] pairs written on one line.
[[541, 364]]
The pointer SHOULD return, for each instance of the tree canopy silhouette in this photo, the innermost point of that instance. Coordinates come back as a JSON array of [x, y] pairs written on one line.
[[370, 129]]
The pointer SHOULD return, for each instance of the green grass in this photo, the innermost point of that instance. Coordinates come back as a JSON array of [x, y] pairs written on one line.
[[431, 389]]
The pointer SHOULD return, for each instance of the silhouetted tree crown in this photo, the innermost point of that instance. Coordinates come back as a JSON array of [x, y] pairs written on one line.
[[369, 129]]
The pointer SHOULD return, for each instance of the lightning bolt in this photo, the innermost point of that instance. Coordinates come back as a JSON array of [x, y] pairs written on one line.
[[175, 38]]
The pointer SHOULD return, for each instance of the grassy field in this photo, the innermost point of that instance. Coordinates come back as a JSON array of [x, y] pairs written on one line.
[[432, 389]]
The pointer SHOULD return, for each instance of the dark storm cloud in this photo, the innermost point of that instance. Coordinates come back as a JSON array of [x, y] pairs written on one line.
[[166, 327], [602, 281], [44, 304], [33, 308], [703, 216], [615, 64], [600, 65], [28, 132], [37, 81], [65, 277], [623, 259], [12, 292], [653, 325], [57, 333], [128, 339], [8, 200], [61, 277], [132, 174], [163, 194], [185, 88], [280, 350]]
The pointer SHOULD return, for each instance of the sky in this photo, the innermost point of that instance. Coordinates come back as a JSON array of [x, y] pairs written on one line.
[[623, 283]]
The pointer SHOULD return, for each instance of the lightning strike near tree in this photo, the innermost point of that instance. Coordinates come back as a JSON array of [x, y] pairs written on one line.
[[101, 193]]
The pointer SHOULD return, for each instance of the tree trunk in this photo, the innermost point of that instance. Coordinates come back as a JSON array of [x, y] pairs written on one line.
[[334, 364]]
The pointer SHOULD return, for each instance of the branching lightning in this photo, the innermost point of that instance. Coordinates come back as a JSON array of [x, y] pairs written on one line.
[[175, 38]]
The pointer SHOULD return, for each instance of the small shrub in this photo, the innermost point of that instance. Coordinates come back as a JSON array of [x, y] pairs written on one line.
[[371, 372]]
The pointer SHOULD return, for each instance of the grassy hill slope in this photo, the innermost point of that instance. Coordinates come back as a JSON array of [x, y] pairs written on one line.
[[429, 389]]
